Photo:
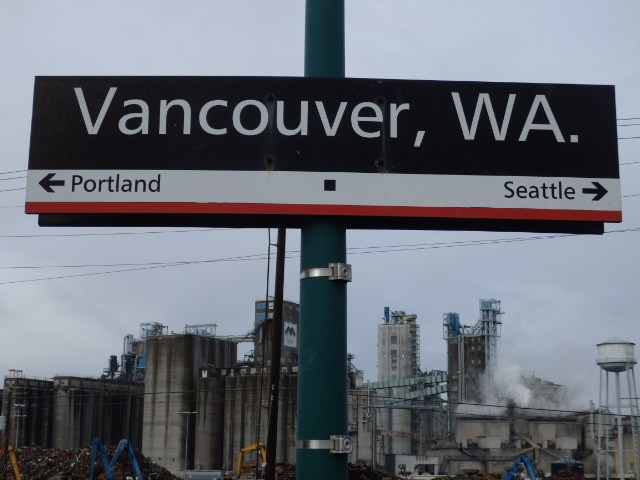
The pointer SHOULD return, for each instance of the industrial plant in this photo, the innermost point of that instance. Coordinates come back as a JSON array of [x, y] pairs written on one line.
[[188, 403]]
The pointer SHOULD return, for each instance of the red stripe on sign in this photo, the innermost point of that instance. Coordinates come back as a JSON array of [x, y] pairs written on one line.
[[334, 210]]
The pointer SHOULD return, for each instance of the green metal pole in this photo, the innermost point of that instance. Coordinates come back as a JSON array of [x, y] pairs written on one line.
[[324, 38], [322, 378]]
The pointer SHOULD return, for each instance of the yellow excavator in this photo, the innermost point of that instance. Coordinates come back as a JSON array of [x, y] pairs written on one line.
[[248, 469], [10, 451], [252, 469]]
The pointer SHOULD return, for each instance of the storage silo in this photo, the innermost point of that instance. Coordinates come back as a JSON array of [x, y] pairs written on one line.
[[209, 421], [173, 416]]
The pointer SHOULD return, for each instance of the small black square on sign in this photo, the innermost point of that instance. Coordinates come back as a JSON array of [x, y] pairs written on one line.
[[329, 185]]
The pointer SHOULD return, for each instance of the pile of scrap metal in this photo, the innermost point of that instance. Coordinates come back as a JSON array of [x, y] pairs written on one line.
[[38, 463], [360, 471]]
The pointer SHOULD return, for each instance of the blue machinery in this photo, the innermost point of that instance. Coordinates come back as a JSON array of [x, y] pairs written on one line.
[[528, 465], [97, 448]]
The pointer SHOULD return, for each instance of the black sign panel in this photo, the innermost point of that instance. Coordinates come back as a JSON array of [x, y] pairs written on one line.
[[324, 125], [499, 152]]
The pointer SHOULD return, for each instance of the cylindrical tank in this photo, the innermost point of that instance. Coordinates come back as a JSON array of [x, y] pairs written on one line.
[[400, 422], [113, 365], [616, 355], [128, 344], [209, 422]]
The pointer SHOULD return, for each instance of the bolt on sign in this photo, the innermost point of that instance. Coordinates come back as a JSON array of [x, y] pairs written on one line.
[[271, 151]]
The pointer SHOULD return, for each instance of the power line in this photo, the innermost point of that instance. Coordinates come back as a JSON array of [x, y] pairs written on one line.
[[258, 256], [13, 189], [11, 178], [115, 234], [295, 254], [144, 267]]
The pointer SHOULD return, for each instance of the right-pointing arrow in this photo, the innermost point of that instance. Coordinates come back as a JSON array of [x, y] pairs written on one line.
[[599, 191]]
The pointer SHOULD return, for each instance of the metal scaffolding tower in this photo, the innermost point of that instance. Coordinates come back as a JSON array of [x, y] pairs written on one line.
[[488, 326]]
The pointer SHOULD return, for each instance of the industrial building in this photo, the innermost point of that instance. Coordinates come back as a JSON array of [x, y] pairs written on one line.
[[471, 354], [398, 346], [263, 328], [411, 409], [66, 412], [188, 402], [398, 357]]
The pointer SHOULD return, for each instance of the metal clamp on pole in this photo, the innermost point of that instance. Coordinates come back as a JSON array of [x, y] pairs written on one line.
[[336, 444], [336, 271]]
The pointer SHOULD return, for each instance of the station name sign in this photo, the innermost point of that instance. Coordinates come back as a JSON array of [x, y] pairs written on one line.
[[258, 151]]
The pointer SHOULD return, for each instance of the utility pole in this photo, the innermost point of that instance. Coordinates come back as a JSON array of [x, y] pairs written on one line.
[[322, 377], [276, 352]]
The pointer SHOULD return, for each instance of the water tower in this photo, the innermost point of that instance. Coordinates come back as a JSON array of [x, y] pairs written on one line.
[[616, 356]]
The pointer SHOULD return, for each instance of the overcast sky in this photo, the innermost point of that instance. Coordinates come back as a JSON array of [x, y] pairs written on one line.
[[561, 294]]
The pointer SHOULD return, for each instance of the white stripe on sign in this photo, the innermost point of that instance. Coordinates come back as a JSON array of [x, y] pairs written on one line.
[[323, 188]]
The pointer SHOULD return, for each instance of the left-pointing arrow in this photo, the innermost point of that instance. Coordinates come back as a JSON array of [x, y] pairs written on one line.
[[47, 182]]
